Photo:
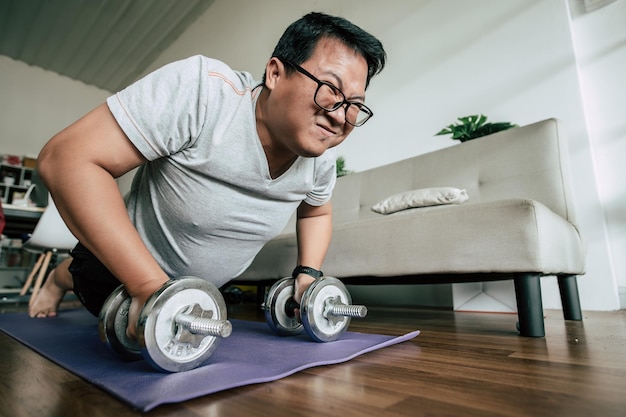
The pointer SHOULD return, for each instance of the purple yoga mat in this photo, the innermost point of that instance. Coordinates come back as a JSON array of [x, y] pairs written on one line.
[[251, 355]]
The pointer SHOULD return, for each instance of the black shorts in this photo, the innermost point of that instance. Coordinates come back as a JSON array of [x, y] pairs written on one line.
[[93, 282]]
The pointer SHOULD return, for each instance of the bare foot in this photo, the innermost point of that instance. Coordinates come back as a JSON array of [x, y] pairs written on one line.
[[47, 301]]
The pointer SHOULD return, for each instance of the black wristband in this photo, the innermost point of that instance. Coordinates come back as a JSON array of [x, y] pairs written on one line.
[[300, 269]]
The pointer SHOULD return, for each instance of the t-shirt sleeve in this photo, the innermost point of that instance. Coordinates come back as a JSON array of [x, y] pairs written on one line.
[[325, 178], [163, 112]]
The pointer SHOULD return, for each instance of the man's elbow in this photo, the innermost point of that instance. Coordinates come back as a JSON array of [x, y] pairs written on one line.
[[47, 163], [306, 211]]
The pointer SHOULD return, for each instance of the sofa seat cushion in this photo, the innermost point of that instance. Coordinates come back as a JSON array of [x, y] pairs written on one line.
[[503, 236]]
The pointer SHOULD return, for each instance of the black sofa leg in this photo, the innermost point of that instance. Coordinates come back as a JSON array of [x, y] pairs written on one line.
[[568, 287], [529, 304]]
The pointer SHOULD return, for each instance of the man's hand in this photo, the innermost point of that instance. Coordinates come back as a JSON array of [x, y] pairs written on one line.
[[302, 282], [139, 298], [133, 317]]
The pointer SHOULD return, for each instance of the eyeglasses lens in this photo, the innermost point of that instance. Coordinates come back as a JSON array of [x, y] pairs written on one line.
[[330, 99]]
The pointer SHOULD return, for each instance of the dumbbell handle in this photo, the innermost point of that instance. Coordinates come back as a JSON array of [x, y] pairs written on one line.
[[347, 310], [335, 307], [204, 326]]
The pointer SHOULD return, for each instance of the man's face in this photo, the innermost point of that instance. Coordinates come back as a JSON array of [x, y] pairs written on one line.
[[294, 121]]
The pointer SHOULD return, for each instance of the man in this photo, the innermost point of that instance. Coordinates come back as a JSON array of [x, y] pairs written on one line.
[[224, 162]]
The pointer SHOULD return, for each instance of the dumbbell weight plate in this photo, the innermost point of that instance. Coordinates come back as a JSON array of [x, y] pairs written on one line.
[[112, 324], [312, 308], [157, 328], [274, 308]]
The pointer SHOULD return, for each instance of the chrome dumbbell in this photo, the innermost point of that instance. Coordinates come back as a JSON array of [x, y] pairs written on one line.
[[179, 327], [325, 310]]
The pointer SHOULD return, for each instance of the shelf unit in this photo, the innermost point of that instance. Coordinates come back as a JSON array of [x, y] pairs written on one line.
[[14, 181]]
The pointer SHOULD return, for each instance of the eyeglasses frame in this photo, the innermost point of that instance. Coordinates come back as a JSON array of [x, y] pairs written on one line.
[[319, 82]]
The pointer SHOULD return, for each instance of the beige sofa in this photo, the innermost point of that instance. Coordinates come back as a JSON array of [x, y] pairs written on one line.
[[518, 223]]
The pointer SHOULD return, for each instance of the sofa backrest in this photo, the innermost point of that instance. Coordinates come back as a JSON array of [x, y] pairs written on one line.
[[529, 162]]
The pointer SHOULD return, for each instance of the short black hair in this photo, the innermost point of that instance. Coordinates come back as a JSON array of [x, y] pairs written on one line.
[[300, 38]]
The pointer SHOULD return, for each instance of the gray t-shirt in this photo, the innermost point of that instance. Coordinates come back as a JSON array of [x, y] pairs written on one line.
[[205, 204]]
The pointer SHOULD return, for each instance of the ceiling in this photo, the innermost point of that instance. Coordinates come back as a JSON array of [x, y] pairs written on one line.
[[105, 43]]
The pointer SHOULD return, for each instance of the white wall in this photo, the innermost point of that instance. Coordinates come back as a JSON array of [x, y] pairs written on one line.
[[513, 60], [600, 44], [36, 104]]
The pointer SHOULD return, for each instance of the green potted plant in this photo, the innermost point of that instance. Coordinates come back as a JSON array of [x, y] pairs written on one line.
[[341, 167], [472, 127]]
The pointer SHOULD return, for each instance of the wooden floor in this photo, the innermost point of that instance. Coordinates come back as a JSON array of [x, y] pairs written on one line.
[[463, 364]]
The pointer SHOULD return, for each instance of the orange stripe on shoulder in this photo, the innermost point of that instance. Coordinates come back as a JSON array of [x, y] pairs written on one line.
[[230, 83]]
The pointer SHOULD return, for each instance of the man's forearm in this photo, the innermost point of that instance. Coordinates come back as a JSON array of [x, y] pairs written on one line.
[[314, 232]]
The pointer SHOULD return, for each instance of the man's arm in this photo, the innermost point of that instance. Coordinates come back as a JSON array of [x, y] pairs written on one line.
[[314, 230], [79, 166]]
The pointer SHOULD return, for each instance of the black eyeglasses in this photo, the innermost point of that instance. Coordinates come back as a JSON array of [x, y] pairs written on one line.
[[330, 98]]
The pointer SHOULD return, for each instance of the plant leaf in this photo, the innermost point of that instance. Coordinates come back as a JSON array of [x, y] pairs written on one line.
[[473, 126]]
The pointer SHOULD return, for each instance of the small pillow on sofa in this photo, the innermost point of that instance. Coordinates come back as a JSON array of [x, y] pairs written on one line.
[[422, 197]]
